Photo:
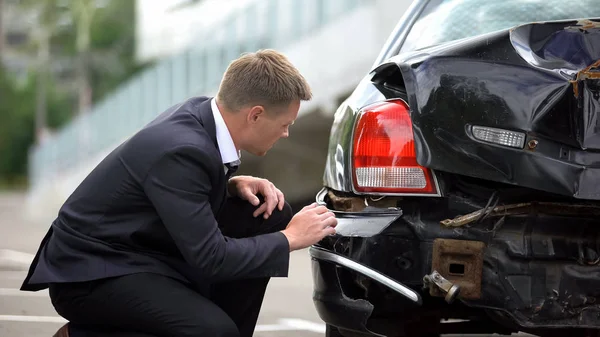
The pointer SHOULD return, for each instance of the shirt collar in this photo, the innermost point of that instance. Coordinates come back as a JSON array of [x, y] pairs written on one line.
[[229, 153]]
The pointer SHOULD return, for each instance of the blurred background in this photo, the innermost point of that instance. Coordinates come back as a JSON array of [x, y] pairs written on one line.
[[78, 77], [81, 76]]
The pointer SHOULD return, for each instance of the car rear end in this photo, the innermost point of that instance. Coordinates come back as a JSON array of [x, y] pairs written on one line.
[[450, 207]]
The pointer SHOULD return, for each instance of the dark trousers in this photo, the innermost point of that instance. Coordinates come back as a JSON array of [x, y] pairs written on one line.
[[154, 305]]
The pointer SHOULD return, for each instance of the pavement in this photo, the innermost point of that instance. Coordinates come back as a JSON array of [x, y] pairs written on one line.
[[24, 314], [287, 309]]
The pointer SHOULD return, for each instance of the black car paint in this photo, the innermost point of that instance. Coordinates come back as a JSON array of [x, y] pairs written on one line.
[[538, 272], [485, 81], [527, 79]]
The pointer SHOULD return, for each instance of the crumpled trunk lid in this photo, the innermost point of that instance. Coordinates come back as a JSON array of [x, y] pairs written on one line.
[[541, 79], [571, 51]]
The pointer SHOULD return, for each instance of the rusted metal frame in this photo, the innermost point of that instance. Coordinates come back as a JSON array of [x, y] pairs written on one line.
[[549, 208]]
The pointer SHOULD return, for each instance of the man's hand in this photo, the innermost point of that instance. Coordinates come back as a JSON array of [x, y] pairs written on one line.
[[309, 226], [248, 188]]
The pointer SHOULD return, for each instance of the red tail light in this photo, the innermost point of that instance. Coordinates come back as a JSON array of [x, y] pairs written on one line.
[[384, 152]]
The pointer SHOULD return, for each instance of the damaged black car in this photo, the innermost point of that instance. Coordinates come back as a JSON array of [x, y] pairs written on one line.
[[464, 171]]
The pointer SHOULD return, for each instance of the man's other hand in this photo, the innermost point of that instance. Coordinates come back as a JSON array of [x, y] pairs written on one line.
[[309, 226], [248, 188]]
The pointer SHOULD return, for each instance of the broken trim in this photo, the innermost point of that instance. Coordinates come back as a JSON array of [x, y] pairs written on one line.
[[368, 222], [325, 255], [550, 208], [584, 74], [365, 226]]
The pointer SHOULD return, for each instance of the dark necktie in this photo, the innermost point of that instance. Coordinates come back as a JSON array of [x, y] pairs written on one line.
[[230, 170]]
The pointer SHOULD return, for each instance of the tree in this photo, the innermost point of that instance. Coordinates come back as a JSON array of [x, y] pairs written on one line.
[[113, 41], [83, 14], [1, 30], [99, 52], [47, 16], [17, 123]]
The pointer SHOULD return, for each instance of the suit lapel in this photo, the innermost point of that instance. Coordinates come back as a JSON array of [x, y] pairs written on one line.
[[207, 119]]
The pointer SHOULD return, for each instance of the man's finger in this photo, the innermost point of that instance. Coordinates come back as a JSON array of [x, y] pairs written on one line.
[[260, 210], [248, 195], [330, 222], [271, 200], [329, 231], [280, 198], [307, 207], [321, 209], [326, 215]]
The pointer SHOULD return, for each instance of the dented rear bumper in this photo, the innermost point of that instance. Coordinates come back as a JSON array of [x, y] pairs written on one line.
[[528, 270], [325, 255], [332, 304]]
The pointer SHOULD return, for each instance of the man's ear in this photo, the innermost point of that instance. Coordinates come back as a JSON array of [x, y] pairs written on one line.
[[255, 113]]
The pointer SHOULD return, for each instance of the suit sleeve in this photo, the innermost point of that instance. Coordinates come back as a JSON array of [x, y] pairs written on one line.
[[179, 186]]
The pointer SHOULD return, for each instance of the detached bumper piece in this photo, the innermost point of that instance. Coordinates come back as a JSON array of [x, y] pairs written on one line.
[[325, 255], [338, 308]]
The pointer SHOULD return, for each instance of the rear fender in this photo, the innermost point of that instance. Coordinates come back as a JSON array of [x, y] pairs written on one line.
[[525, 79]]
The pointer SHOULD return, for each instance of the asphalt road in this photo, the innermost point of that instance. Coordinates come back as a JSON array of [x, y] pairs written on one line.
[[287, 310]]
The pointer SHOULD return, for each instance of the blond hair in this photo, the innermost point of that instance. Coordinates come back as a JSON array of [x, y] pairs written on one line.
[[266, 78]]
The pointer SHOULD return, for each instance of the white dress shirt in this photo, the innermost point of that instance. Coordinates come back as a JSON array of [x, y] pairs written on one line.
[[229, 153]]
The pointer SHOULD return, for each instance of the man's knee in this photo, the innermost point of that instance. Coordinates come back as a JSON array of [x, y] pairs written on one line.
[[280, 219], [237, 219]]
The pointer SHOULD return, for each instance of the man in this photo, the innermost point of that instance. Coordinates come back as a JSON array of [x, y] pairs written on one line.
[[158, 241]]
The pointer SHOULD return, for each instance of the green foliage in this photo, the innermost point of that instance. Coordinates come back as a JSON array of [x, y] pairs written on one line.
[[111, 63], [17, 125], [16, 128], [113, 42]]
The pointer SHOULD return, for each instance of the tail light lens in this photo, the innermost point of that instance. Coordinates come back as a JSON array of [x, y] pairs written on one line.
[[384, 155]]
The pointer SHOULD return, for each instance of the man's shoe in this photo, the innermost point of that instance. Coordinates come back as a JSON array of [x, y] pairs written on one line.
[[63, 331]]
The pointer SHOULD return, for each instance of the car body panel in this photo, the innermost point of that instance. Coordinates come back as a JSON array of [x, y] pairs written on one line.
[[520, 223], [496, 80], [525, 79]]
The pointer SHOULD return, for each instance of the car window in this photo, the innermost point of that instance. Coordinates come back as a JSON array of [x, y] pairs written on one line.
[[449, 20]]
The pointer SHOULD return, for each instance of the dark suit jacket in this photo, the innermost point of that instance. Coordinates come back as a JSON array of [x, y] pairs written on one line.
[[150, 206]]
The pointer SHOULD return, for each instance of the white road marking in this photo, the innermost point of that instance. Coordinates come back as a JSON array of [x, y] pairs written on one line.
[[292, 324], [14, 260], [12, 275], [303, 325], [36, 319], [17, 292], [271, 328], [15, 256]]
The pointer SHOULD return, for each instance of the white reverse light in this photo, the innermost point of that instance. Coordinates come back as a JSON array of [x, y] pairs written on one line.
[[499, 136], [391, 177]]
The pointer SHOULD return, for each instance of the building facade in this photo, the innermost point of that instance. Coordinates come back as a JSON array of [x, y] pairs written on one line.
[[332, 42]]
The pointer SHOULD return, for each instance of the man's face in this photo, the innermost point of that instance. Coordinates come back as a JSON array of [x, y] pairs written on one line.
[[267, 127]]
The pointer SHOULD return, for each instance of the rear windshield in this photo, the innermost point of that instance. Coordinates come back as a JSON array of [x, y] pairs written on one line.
[[449, 20]]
